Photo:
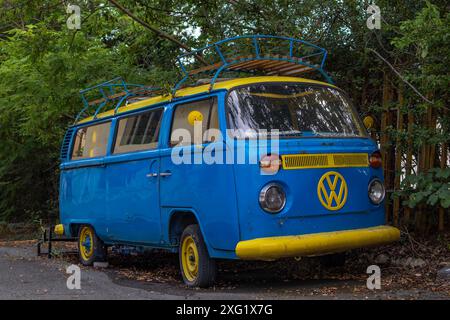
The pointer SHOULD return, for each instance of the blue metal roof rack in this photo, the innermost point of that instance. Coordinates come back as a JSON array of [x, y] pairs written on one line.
[[110, 92], [271, 55]]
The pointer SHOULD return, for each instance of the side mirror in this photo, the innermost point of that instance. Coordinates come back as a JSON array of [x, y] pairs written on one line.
[[368, 122]]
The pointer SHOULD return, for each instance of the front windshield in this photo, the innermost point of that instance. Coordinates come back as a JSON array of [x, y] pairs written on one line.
[[293, 109]]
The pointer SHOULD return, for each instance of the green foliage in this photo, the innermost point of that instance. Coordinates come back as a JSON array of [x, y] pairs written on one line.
[[431, 188], [427, 39], [42, 68]]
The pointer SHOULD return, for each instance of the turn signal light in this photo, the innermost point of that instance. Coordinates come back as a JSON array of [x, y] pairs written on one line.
[[375, 159], [270, 164]]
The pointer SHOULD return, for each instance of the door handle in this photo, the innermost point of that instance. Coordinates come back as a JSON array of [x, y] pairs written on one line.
[[165, 174], [152, 175]]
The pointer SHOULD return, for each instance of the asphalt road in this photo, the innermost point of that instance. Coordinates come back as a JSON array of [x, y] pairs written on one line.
[[25, 276]]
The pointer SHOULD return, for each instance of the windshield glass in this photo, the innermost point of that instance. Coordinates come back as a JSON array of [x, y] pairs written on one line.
[[293, 109]]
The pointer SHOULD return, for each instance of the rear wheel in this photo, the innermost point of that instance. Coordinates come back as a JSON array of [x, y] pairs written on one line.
[[197, 268], [90, 248]]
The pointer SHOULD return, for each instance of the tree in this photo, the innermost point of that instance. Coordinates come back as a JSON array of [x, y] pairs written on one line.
[[43, 65]]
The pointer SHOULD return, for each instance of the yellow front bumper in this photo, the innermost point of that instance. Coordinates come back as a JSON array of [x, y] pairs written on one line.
[[315, 244]]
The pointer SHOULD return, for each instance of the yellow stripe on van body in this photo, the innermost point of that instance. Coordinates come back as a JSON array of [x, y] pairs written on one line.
[[229, 84], [324, 160], [315, 244]]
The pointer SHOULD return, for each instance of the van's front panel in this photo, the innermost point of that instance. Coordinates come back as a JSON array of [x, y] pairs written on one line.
[[304, 211], [325, 171]]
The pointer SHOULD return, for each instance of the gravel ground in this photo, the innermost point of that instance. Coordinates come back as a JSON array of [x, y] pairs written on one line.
[[155, 275]]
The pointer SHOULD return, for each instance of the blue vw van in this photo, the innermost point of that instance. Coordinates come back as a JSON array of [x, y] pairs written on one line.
[[320, 192]]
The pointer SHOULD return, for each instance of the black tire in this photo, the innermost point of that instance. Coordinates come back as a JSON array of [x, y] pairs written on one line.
[[99, 250], [333, 260], [205, 271]]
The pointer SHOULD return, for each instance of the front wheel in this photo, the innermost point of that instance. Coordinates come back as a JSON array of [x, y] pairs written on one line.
[[197, 268], [90, 248]]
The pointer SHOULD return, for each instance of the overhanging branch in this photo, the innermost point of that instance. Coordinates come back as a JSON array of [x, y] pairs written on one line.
[[160, 33], [400, 76]]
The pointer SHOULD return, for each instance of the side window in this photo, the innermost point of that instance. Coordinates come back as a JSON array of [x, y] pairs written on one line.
[[139, 132], [91, 142], [207, 109]]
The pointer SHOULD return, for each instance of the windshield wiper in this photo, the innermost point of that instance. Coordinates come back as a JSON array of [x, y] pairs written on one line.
[[291, 134]]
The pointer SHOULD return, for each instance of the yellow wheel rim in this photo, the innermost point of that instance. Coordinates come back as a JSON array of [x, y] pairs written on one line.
[[86, 242], [189, 258]]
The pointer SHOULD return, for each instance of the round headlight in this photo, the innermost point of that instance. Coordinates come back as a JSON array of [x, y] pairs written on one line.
[[376, 191], [272, 198]]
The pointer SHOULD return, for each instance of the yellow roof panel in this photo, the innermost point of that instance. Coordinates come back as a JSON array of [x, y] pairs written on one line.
[[189, 91]]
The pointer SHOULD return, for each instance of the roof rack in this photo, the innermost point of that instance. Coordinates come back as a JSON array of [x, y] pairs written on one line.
[[208, 80], [271, 55], [110, 92]]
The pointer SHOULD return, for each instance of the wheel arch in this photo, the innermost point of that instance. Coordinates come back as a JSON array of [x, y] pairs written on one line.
[[179, 219], [74, 227]]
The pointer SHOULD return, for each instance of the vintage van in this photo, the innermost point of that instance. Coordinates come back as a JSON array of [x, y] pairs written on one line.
[[320, 192]]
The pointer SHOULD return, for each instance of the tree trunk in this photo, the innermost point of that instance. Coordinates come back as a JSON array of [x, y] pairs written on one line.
[[409, 156], [398, 156], [384, 141], [443, 165]]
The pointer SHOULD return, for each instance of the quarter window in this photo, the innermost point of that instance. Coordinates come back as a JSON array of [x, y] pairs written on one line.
[[91, 142], [139, 132]]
